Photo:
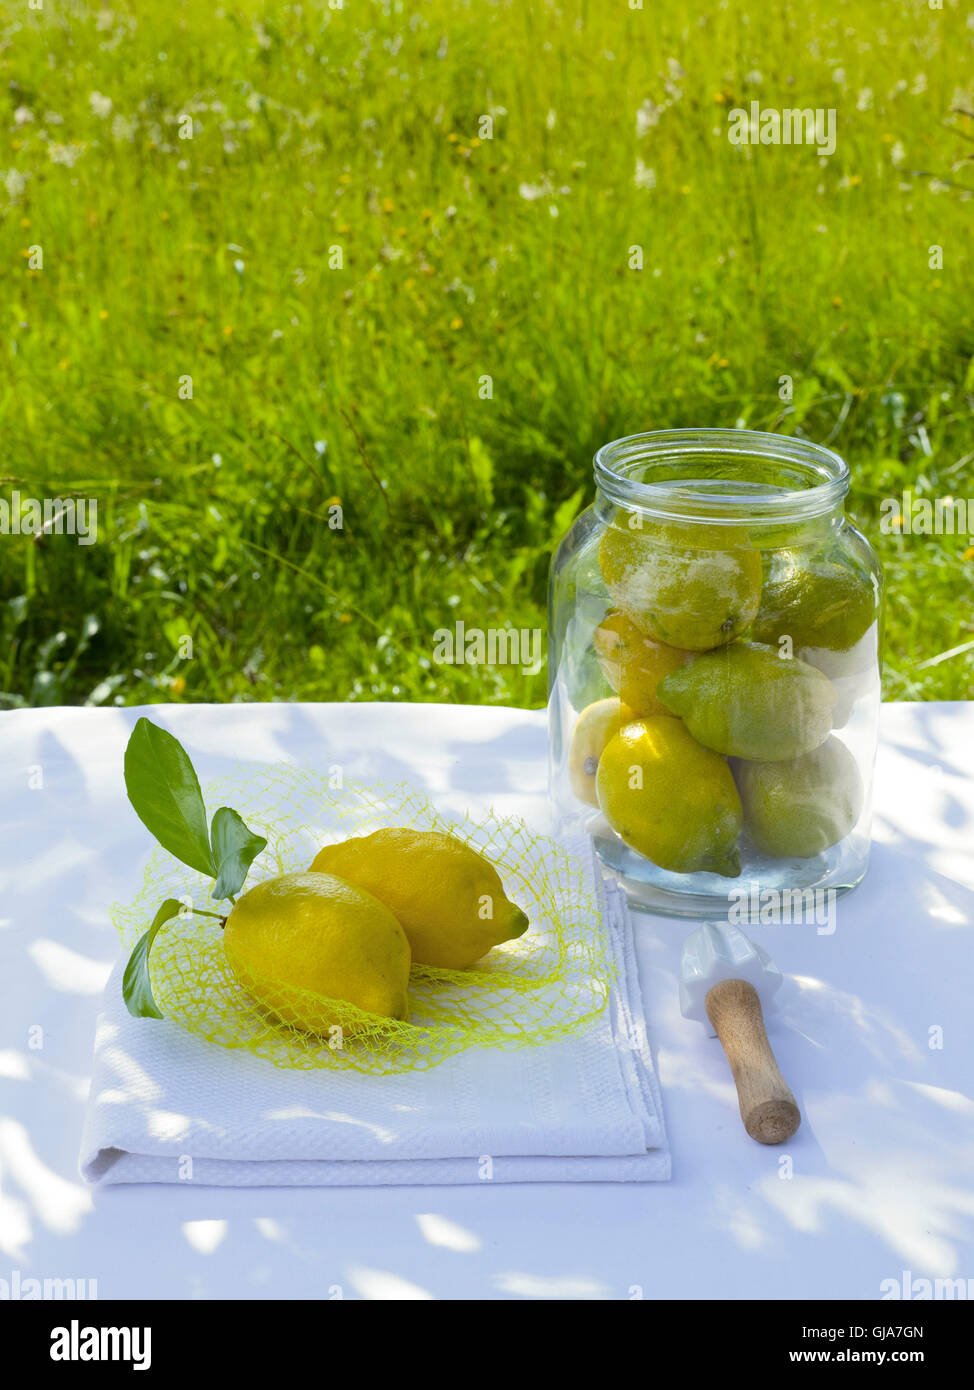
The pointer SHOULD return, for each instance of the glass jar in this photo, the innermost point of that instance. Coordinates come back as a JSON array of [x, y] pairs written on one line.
[[714, 661]]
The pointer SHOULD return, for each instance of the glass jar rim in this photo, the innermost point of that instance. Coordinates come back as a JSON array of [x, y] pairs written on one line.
[[672, 499]]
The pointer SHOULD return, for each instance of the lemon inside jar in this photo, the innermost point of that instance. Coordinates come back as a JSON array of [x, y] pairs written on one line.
[[692, 587]]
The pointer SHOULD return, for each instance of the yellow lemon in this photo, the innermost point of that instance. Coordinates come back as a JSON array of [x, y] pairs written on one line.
[[747, 701], [693, 587], [670, 799], [300, 935], [449, 899], [595, 726], [633, 663]]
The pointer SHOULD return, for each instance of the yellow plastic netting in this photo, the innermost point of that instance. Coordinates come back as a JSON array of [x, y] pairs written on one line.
[[545, 985]]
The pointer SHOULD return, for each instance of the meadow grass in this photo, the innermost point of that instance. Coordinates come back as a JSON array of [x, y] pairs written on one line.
[[188, 172]]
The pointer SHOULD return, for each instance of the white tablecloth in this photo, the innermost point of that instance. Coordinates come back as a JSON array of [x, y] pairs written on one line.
[[876, 1188]]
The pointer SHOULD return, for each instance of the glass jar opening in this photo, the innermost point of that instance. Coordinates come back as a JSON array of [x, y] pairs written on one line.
[[721, 476]]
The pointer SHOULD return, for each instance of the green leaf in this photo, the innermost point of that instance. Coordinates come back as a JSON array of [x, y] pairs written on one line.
[[828, 367], [136, 984], [234, 850], [807, 392], [18, 608], [482, 468], [165, 794], [565, 514], [176, 632]]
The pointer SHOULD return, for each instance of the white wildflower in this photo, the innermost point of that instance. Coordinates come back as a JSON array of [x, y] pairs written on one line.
[[22, 115], [456, 285], [897, 154], [864, 101], [64, 154], [15, 183], [123, 128], [644, 177], [647, 116], [100, 105]]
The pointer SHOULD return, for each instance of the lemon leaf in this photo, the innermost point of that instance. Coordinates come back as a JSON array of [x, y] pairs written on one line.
[[165, 794], [136, 984], [234, 849]]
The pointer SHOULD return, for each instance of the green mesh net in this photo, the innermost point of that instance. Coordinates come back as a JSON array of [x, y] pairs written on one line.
[[545, 985]]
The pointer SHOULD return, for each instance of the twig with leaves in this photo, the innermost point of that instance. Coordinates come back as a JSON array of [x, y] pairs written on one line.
[[164, 790]]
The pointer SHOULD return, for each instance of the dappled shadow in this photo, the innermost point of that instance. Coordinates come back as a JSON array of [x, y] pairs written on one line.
[[880, 1172], [876, 1040]]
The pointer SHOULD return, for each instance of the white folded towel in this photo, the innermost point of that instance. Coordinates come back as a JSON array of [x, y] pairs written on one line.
[[165, 1106]]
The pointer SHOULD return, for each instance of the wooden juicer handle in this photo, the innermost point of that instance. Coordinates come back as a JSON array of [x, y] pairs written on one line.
[[768, 1108]]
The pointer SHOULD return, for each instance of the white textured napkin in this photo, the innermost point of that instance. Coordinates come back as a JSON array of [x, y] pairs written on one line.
[[166, 1106]]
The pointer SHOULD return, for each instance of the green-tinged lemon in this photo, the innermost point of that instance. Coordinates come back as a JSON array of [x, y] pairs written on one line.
[[748, 702], [300, 935], [670, 799], [813, 602], [449, 899], [691, 586], [797, 809], [595, 726], [634, 663]]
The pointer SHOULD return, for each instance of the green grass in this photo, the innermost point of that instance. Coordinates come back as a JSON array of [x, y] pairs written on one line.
[[316, 128]]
